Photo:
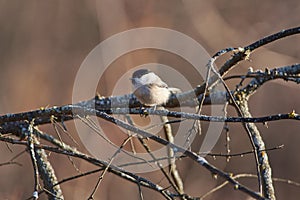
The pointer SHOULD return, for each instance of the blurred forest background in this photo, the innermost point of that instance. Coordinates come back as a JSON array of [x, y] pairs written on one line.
[[43, 43]]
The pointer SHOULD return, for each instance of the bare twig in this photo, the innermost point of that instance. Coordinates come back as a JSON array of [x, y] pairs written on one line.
[[172, 159], [264, 165], [117, 171], [107, 167], [17, 125], [31, 149], [238, 176]]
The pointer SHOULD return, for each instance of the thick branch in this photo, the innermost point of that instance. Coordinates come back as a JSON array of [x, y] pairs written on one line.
[[264, 166], [47, 174]]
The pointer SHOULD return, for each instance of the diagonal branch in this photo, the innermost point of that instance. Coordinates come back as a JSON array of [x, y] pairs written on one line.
[[264, 166]]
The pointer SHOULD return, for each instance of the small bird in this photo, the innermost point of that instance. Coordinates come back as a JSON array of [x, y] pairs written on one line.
[[149, 89]]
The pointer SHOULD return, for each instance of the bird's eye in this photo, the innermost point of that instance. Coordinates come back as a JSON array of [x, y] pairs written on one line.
[[133, 81]]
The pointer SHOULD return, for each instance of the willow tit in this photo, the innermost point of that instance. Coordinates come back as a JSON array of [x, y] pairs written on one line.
[[149, 89]]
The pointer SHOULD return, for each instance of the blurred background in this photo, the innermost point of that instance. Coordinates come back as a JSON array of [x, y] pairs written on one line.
[[43, 43]]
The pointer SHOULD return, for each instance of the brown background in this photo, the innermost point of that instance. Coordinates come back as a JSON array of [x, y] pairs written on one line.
[[43, 43]]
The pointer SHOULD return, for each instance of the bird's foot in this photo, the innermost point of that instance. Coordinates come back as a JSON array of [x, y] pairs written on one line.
[[144, 112]]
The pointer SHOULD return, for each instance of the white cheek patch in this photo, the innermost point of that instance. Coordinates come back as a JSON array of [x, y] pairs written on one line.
[[152, 78], [147, 79]]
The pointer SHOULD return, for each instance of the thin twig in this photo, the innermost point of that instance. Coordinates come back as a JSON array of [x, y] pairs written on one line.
[[117, 171], [31, 147], [238, 176], [172, 164], [107, 167]]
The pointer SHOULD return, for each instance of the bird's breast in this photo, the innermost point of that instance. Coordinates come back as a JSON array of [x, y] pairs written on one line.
[[151, 95]]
